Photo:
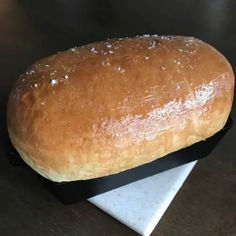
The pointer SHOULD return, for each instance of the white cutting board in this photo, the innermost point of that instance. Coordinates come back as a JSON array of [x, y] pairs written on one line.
[[140, 205]]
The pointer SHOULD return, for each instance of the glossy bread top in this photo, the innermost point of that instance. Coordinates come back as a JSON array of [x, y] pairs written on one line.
[[110, 106]]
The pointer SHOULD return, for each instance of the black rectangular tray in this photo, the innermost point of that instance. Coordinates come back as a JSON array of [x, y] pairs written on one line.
[[72, 192]]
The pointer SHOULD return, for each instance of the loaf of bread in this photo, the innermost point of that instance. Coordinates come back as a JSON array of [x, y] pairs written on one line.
[[109, 106]]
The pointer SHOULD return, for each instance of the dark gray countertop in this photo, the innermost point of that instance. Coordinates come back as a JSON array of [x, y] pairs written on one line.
[[30, 30]]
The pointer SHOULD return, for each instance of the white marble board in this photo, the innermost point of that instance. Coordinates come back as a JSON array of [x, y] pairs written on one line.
[[140, 205]]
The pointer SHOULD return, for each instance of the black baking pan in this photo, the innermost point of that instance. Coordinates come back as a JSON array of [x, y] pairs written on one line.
[[72, 192]]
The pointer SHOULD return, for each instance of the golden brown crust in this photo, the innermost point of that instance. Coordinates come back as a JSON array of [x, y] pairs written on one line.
[[110, 106]]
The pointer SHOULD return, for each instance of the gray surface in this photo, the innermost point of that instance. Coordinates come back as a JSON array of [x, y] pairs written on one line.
[[206, 204]]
